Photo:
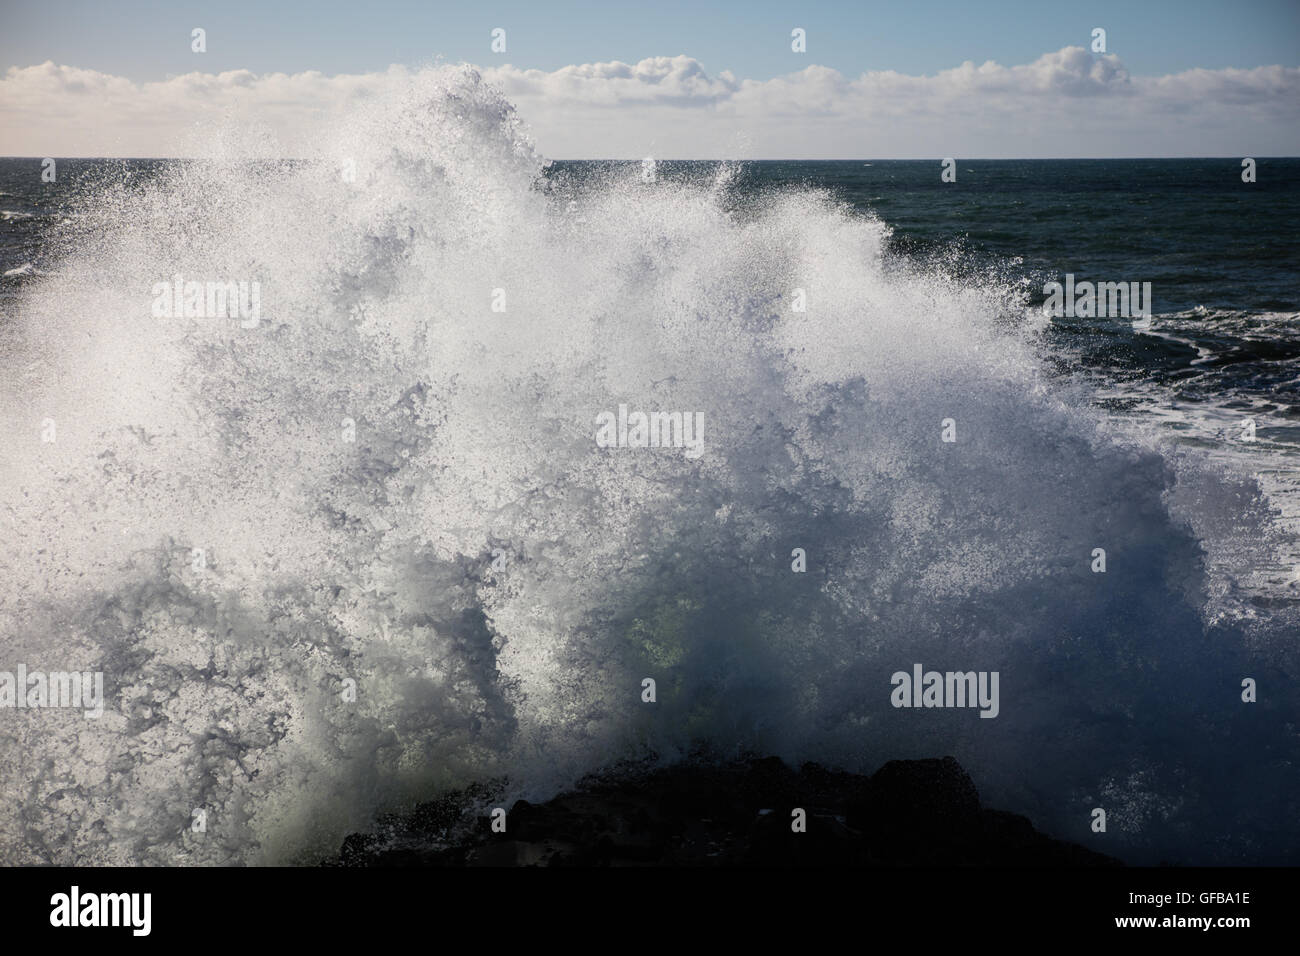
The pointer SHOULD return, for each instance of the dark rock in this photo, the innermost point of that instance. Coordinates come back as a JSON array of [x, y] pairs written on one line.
[[924, 793], [910, 813]]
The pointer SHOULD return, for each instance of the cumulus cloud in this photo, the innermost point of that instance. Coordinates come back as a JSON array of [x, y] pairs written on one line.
[[1066, 103]]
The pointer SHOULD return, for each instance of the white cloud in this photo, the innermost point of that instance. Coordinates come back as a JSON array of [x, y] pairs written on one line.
[[1066, 103]]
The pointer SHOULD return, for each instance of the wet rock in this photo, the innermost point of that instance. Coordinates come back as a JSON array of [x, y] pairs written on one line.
[[911, 812]]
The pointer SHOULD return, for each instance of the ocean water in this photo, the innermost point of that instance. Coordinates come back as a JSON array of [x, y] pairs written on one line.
[[369, 549]]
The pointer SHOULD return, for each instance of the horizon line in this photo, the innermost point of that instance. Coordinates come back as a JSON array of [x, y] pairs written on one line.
[[846, 159]]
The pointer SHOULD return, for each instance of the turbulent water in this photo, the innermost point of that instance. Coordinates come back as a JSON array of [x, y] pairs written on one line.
[[387, 484]]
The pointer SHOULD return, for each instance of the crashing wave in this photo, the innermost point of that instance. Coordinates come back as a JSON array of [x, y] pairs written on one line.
[[371, 549]]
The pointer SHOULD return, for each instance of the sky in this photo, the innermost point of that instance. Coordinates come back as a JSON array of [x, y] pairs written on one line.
[[703, 79]]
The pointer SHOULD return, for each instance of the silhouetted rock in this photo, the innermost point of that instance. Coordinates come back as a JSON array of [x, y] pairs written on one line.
[[910, 813]]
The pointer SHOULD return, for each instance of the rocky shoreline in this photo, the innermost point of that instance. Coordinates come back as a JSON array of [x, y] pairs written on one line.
[[909, 813]]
